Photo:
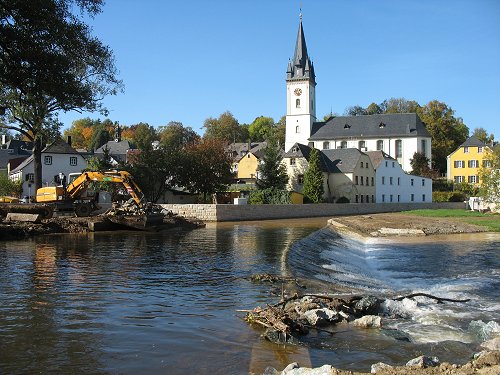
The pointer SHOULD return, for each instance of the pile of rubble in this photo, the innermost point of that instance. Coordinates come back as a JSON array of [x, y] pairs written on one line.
[[130, 208]]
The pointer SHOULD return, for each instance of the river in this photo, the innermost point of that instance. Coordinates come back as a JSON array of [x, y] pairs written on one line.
[[158, 303]]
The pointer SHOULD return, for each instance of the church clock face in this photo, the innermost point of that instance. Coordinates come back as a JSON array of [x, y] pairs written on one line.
[[298, 92]]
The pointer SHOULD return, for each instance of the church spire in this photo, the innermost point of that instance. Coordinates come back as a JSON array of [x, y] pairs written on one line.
[[301, 64]]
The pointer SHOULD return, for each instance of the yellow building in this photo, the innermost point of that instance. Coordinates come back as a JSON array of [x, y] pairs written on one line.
[[464, 163]]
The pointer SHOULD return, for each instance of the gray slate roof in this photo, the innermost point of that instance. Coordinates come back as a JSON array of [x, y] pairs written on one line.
[[59, 147], [301, 66], [342, 160], [377, 157], [473, 141], [370, 126], [115, 148]]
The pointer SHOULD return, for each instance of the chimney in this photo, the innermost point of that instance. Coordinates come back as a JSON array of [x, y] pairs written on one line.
[[69, 140]]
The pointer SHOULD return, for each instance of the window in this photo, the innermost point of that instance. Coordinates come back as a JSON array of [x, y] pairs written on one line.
[[383, 198], [383, 180], [248, 156], [362, 145], [473, 179], [373, 199], [423, 197], [399, 148], [390, 180], [367, 198], [423, 182], [356, 179], [326, 145], [367, 182], [361, 178], [47, 160], [391, 198], [361, 164], [458, 179], [412, 197], [292, 161], [399, 180], [373, 182], [466, 150], [357, 199], [386, 163], [473, 163], [380, 145], [30, 177], [297, 103], [399, 198], [343, 144], [479, 150], [73, 160], [300, 179], [423, 146], [487, 163], [297, 129], [411, 182], [362, 199], [393, 164]]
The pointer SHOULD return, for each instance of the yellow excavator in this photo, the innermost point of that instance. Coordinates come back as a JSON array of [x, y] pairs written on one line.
[[75, 197]]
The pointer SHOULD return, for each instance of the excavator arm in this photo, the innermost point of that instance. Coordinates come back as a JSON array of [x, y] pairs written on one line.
[[81, 183]]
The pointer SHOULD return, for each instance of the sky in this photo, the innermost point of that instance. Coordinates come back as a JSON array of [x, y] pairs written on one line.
[[191, 60]]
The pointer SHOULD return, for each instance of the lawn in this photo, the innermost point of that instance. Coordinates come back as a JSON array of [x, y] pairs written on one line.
[[489, 220]]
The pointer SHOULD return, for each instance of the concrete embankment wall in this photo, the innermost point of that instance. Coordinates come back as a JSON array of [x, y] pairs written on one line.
[[231, 212]]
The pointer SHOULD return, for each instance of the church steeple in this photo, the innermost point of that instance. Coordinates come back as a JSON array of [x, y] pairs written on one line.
[[302, 66]]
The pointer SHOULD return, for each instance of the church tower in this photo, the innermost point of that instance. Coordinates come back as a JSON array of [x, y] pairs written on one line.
[[300, 94]]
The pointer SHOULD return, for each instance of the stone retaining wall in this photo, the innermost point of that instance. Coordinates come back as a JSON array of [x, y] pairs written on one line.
[[231, 212]]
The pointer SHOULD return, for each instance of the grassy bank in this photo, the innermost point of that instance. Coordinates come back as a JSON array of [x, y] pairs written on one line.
[[488, 220]]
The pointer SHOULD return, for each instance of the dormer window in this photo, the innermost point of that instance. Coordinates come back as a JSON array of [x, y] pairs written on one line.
[[381, 125], [347, 126]]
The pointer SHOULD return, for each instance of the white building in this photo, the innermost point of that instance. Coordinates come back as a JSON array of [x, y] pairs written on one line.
[[398, 135], [56, 158], [393, 185]]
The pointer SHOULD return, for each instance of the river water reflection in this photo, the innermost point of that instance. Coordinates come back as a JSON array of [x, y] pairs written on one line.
[[142, 303]]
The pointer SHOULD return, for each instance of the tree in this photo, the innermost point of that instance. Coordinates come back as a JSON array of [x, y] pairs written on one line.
[[355, 111], [373, 109], [174, 134], [489, 177], [313, 179], [399, 105], [261, 128], [280, 131], [483, 136], [144, 136], [8, 187], [420, 166], [225, 128], [50, 62], [206, 168], [270, 172], [447, 131], [100, 134]]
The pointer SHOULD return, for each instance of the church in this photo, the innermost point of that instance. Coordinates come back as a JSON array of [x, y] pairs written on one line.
[[397, 135]]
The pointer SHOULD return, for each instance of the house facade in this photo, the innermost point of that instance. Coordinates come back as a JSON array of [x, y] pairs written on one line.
[[393, 185], [464, 163], [58, 157], [349, 175], [398, 135]]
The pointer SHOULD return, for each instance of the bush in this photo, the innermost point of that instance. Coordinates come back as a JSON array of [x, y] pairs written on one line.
[[269, 196], [448, 196]]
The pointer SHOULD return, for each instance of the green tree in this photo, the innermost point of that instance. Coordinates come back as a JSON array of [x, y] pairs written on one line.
[[224, 129], [447, 131], [399, 105], [8, 187], [483, 135], [261, 129], [373, 109], [355, 111], [280, 131], [420, 164], [271, 173], [206, 168], [144, 136], [100, 135], [174, 134], [489, 177], [50, 62], [313, 179]]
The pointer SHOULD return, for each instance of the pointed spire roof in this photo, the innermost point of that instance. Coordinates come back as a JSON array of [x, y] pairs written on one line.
[[302, 66]]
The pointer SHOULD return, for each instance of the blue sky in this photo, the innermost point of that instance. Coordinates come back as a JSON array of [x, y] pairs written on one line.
[[193, 59]]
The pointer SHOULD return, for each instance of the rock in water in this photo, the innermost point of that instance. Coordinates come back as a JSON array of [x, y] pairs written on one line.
[[377, 367], [296, 370], [368, 321], [493, 344], [319, 317], [367, 305], [423, 361]]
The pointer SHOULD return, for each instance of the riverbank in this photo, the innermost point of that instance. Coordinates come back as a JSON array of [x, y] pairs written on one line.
[[403, 225], [23, 230]]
